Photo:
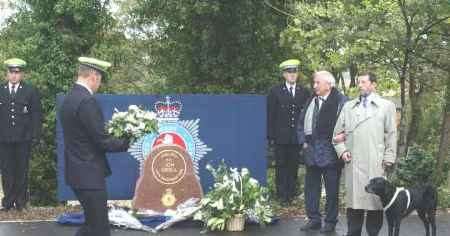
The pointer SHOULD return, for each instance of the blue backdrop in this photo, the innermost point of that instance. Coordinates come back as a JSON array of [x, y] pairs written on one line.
[[234, 126]]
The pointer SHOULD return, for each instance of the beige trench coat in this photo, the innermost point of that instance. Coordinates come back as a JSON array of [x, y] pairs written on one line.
[[371, 138]]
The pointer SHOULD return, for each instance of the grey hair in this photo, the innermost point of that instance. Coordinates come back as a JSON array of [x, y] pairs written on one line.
[[327, 76]]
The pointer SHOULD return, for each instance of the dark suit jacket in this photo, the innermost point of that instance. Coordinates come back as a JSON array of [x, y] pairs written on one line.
[[20, 116], [320, 151], [283, 111], [85, 140]]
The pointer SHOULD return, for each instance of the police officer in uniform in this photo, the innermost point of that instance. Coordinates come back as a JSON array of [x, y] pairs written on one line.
[[86, 143], [20, 125], [284, 103]]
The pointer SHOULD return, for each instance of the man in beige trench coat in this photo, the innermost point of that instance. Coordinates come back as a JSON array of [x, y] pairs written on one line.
[[368, 124]]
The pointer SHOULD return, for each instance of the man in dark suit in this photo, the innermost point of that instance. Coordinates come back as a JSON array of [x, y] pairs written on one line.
[[284, 103], [315, 131], [20, 125], [86, 143]]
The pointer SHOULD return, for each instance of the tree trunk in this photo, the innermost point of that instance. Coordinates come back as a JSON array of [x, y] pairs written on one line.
[[404, 75], [353, 74], [445, 134], [403, 128], [416, 111]]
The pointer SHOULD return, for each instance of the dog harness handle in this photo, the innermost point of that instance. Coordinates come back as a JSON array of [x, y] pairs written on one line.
[[397, 191]]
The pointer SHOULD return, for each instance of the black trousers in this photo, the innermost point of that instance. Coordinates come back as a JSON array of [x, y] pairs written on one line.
[[355, 220], [15, 158], [95, 212], [313, 189], [287, 160]]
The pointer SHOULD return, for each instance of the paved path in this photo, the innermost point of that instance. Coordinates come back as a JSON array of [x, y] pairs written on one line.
[[411, 226]]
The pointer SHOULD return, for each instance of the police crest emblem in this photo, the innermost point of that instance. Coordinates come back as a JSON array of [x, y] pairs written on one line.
[[168, 160]]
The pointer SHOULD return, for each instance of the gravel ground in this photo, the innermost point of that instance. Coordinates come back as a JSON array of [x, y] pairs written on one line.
[[37, 213]]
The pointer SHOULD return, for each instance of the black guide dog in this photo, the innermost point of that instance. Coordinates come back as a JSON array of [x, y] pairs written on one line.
[[423, 199]]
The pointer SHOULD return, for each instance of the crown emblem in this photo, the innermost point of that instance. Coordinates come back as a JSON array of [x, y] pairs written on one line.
[[168, 110]]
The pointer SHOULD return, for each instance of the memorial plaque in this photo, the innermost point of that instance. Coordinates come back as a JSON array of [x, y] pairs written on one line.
[[167, 179]]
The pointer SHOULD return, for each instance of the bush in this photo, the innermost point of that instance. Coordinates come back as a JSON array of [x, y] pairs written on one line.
[[418, 167]]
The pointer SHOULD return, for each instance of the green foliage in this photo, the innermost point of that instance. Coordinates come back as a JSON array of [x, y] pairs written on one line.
[[50, 35], [418, 167], [443, 198], [172, 46], [210, 46], [234, 192]]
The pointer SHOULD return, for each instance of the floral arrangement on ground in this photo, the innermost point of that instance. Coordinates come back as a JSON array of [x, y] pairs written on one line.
[[234, 193]]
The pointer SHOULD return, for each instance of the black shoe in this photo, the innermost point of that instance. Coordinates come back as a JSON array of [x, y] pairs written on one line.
[[311, 226], [327, 228]]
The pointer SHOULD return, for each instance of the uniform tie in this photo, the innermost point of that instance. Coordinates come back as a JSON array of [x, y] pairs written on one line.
[[291, 90], [13, 90]]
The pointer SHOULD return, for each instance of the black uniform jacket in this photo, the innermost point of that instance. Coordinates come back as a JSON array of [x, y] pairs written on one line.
[[20, 115], [283, 112], [85, 140]]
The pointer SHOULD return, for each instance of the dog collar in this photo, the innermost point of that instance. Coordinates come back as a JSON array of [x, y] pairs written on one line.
[[397, 191]]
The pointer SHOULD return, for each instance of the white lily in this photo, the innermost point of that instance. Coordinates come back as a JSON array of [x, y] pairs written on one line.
[[244, 171], [133, 108]]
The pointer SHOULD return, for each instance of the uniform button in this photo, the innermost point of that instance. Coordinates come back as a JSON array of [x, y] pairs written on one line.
[[293, 112], [12, 103], [13, 116], [292, 125], [292, 118], [13, 123], [12, 110]]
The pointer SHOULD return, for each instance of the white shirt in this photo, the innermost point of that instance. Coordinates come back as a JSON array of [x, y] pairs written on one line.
[[84, 85], [288, 86], [322, 99], [369, 100], [15, 88]]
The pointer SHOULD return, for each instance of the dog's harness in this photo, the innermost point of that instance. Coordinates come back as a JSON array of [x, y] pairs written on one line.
[[397, 191]]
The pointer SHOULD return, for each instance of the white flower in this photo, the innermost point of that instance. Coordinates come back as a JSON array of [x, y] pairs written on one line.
[[133, 108], [244, 171], [131, 119], [234, 188], [205, 201], [135, 121], [128, 128], [226, 179], [209, 167], [150, 115], [198, 215], [119, 115], [253, 182], [257, 205], [235, 174], [218, 204], [231, 200]]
